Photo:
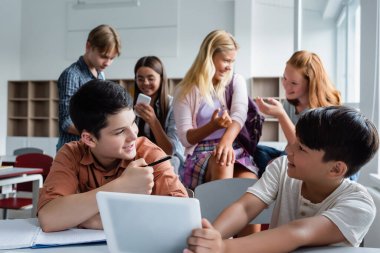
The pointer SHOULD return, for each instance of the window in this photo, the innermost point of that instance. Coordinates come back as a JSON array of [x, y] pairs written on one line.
[[348, 52]]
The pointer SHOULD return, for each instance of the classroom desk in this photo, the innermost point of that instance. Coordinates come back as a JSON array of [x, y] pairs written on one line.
[[8, 160], [10, 176], [102, 248], [338, 250]]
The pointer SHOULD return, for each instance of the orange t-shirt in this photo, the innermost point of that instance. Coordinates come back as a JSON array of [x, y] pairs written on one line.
[[74, 171]]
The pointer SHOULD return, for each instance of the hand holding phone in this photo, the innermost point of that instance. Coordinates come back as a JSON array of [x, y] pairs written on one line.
[[142, 99]]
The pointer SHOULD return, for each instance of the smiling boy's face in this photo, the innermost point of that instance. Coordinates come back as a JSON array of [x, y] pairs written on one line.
[[118, 139], [307, 164]]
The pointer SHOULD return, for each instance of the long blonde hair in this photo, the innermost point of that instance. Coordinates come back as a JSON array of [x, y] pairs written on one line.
[[321, 90], [202, 70]]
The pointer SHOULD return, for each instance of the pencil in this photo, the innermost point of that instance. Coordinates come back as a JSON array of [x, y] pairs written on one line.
[[159, 161]]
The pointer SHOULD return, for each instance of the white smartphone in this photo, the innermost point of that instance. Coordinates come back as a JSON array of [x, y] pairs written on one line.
[[144, 99]]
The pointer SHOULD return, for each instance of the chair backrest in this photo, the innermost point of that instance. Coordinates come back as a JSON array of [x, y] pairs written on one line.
[[215, 196], [27, 150], [190, 193], [33, 160]]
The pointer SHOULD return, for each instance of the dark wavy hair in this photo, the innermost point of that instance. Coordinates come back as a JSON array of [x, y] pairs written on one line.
[[93, 102]]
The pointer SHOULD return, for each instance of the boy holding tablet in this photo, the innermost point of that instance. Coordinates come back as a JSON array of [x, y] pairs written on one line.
[[108, 157], [315, 202]]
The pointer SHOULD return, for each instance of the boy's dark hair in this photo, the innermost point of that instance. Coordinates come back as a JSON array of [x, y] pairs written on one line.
[[91, 105], [343, 133]]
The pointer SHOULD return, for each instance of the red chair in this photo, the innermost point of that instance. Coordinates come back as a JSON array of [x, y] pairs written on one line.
[[32, 160]]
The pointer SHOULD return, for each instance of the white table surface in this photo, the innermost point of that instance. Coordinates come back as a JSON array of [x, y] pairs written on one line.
[[102, 248], [20, 175], [8, 158]]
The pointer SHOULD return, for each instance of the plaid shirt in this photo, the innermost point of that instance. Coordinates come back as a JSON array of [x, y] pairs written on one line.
[[68, 83]]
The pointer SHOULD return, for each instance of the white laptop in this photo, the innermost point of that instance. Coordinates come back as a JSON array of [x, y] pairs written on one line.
[[147, 223]]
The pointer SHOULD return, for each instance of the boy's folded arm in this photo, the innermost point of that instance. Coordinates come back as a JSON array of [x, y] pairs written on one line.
[[72, 210], [95, 222], [68, 211], [313, 231]]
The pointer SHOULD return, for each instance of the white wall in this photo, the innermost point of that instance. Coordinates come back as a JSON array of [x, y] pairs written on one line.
[[10, 40], [44, 37], [318, 36], [369, 95], [38, 30], [369, 102], [273, 38], [34, 43]]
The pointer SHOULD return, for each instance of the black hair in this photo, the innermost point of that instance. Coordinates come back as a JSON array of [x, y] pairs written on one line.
[[93, 102], [343, 133]]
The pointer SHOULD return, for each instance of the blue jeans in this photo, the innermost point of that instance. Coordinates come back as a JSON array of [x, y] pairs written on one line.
[[265, 154]]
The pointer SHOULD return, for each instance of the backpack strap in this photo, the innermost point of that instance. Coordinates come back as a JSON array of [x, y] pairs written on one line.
[[250, 132], [229, 92]]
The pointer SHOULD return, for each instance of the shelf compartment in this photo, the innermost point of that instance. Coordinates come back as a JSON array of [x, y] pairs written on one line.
[[129, 85], [18, 108], [39, 127], [265, 87], [53, 128], [270, 131], [17, 127], [18, 89], [172, 83], [40, 89], [39, 108], [54, 90], [54, 109]]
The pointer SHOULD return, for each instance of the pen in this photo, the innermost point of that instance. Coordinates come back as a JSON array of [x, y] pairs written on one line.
[[159, 161]]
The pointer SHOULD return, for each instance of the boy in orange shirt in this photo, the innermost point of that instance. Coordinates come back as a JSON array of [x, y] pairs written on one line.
[[109, 157]]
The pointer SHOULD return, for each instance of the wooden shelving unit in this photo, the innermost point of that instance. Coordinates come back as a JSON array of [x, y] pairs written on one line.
[[32, 108], [33, 105], [128, 84], [172, 83], [266, 87]]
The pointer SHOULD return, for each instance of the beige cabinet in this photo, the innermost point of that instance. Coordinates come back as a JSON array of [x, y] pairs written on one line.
[[32, 108], [129, 84], [33, 105], [172, 83], [266, 87]]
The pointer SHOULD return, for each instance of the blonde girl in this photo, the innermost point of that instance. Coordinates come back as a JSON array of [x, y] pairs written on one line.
[[206, 127]]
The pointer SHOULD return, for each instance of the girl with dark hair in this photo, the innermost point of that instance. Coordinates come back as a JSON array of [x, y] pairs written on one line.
[[156, 120]]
